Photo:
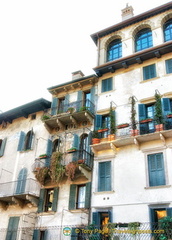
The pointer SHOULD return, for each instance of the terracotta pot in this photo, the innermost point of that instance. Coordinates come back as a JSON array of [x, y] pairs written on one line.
[[111, 137], [159, 127], [123, 126], [134, 132], [95, 140], [81, 161], [169, 116], [104, 139], [103, 130], [146, 120]]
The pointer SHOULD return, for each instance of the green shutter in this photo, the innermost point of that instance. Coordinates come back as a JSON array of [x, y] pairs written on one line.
[[54, 106], [2, 148], [72, 197], [98, 122], [169, 212], [168, 64], [66, 102], [41, 200], [48, 152], [166, 106], [88, 195], [96, 219], [156, 169], [12, 228], [36, 234], [107, 85], [76, 141], [21, 141], [46, 235], [74, 235], [142, 111], [21, 181], [92, 92], [110, 216], [30, 140], [104, 183], [149, 72], [55, 199]]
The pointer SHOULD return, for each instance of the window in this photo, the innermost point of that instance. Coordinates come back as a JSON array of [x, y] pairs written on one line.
[[168, 64], [114, 50], [149, 72], [146, 112], [107, 85], [143, 39], [156, 169], [40, 234], [56, 145], [12, 228], [104, 176], [33, 116], [168, 30], [25, 141], [2, 146], [79, 196], [102, 218], [48, 200]]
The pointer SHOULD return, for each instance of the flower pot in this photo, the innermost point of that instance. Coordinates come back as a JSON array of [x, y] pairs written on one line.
[[169, 116], [81, 161], [111, 137], [134, 132], [104, 139], [103, 130], [159, 127], [71, 151], [43, 157], [146, 120], [123, 125], [95, 140]]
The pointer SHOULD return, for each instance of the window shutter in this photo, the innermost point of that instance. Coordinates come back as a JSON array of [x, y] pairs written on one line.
[[72, 197], [160, 169], [152, 216], [168, 64], [12, 228], [21, 181], [54, 106], [108, 176], [30, 139], [88, 195], [3, 147], [76, 141], [46, 235], [149, 72], [36, 234], [110, 216], [66, 102], [142, 111], [169, 212], [98, 122], [104, 183], [96, 219], [166, 107], [55, 199], [92, 91], [21, 141], [41, 200], [74, 235], [48, 152]]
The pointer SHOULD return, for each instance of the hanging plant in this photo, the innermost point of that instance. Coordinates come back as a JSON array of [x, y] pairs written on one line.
[[57, 170], [133, 113], [42, 174], [158, 109], [71, 170]]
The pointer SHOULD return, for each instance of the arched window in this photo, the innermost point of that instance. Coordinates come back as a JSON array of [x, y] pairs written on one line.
[[56, 145], [143, 39], [83, 146], [21, 181], [114, 50], [168, 30], [28, 140]]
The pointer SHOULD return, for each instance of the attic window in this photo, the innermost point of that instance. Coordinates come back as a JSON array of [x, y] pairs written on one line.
[[33, 116]]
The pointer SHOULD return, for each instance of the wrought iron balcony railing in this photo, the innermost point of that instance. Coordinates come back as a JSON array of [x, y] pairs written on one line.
[[21, 187]]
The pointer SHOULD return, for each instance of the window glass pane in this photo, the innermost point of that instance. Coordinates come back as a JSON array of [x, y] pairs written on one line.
[[81, 196], [106, 85], [149, 72], [168, 30], [168, 64], [143, 39], [49, 200], [114, 50]]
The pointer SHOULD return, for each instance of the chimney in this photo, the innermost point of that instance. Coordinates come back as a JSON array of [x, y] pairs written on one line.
[[77, 75], [127, 12]]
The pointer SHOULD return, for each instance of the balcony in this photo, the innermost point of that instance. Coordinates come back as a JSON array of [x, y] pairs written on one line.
[[146, 131], [19, 192], [71, 115]]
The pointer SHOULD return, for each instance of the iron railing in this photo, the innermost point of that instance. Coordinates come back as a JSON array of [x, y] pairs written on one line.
[[77, 106], [27, 186], [145, 231], [82, 157]]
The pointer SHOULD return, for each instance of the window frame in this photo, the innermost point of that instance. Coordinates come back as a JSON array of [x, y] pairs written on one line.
[[107, 85], [114, 48], [99, 182], [43, 200], [168, 23], [146, 70], [139, 38], [168, 68]]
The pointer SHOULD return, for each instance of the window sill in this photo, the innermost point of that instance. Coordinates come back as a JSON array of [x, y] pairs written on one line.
[[149, 80], [110, 91], [46, 213], [104, 192], [78, 210], [156, 187]]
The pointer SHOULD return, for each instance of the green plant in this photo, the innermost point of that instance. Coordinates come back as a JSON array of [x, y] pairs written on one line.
[[133, 227], [95, 134], [70, 170], [133, 113], [43, 155], [112, 121], [84, 108], [158, 109], [45, 117], [166, 225], [41, 174], [57, 170], [72, 149], [71, 109]]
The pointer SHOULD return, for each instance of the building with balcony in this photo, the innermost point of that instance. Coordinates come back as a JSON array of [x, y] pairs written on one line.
[[132, 180], [23, 137]]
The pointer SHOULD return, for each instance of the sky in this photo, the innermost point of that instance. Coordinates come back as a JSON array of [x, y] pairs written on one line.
[[43, 41]]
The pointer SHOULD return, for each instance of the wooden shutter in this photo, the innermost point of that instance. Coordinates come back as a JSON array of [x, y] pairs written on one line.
[[169, 212], [96, 218], [168, 64], [12, 228], [76, 141], [72, 197], [104, 183], [21, 141], [74, 235], [54, 106], [149, 72], [166, 106], [2, 148], [21, 181], [48, 152], [55, 199], [92, 92], [98, 122], [36, 234], [110, 216], [156, 169], [66, 102], [41, 200], [142, 115], [88, 195]]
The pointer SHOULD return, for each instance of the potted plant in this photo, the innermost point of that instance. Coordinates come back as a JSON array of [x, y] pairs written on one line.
[[43, 156], [159, 120], [45, 117], [84, 108], [95, 137], [111, 136], [71, 110], [169, 115], [122, 125], [146, 120], [72, 149], [134, 130]]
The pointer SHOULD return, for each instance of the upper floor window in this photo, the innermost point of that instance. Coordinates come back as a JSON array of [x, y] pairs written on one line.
[[156, 169], [168, 65], [2, 146], [25, 141], [48, 200], [114, 50], [149, 72], [104, 176], [143, 39], [107, 85], [168, 30]]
